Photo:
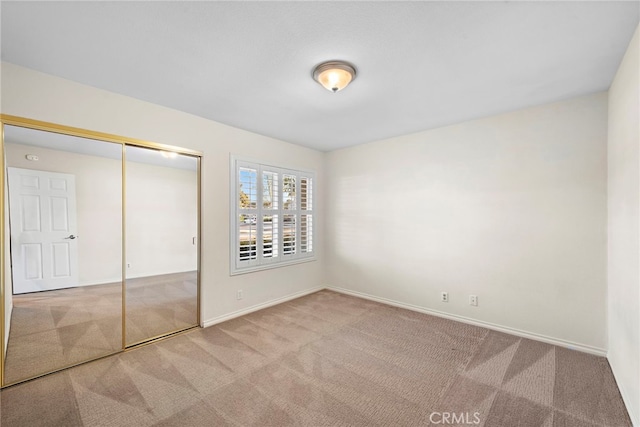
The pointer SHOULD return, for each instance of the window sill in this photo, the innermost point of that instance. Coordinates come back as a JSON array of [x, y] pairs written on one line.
[[253, 269]]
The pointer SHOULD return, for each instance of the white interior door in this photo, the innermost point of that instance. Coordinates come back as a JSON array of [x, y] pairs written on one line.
[[44, 241]]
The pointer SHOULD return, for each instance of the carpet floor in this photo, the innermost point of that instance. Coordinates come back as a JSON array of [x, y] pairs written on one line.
[[328, 359], [59, 328]]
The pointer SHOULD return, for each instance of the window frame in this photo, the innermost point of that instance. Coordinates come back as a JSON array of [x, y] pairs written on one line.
[[238, 266]]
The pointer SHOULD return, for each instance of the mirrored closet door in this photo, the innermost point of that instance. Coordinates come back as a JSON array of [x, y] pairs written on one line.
[[161, 243], [100, 245], [63, 303]]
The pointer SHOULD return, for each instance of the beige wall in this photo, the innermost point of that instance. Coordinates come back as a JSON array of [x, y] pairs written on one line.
[[162, 220], [27, 93], [624, 228], [511, 208]]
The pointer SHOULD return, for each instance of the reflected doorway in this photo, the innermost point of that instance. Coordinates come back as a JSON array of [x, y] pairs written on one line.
[[43, 219]]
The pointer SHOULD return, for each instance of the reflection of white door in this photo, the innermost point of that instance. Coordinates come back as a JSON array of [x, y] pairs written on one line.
[[44, 247]]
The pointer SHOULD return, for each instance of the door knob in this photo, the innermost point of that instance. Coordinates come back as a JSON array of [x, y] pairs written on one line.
[[71, 236]]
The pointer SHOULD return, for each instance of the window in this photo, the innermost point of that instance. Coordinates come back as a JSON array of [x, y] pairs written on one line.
[[272, 216]]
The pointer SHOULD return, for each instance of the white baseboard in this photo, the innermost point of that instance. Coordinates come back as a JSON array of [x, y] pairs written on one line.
[[530, 335], [242, 312], [118, 279], [101, 282], [157, 273]]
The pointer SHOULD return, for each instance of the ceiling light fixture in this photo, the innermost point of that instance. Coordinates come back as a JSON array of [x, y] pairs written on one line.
[[334, 75], [169, 154]]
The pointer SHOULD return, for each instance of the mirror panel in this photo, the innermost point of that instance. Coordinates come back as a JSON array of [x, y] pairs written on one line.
[[161, 287], [63, 305]]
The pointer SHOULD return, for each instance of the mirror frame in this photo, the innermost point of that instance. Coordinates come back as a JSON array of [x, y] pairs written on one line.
[[124, 142]]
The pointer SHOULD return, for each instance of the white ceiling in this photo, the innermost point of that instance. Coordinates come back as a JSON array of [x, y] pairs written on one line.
[[248, 64]]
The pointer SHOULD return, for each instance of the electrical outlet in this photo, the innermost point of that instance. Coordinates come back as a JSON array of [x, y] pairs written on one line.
[[444, 296], [239, 294], [128, 265], [473, 300]]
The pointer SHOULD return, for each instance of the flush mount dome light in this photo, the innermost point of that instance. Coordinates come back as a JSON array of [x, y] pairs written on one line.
[[334, 75], [169, 154]]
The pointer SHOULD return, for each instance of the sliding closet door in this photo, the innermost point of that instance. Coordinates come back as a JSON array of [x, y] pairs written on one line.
[[161, 251], [64, 302]]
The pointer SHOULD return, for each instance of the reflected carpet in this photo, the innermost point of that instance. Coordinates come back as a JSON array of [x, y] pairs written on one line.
[[59, 328]]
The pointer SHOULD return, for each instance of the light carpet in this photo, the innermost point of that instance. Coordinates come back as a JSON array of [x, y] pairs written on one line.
[[328, 359]]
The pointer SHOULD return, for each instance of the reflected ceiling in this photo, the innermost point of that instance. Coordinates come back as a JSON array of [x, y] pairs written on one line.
[[57, 141]]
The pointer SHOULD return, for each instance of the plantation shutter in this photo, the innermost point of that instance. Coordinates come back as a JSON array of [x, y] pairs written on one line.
[[274, 218]]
